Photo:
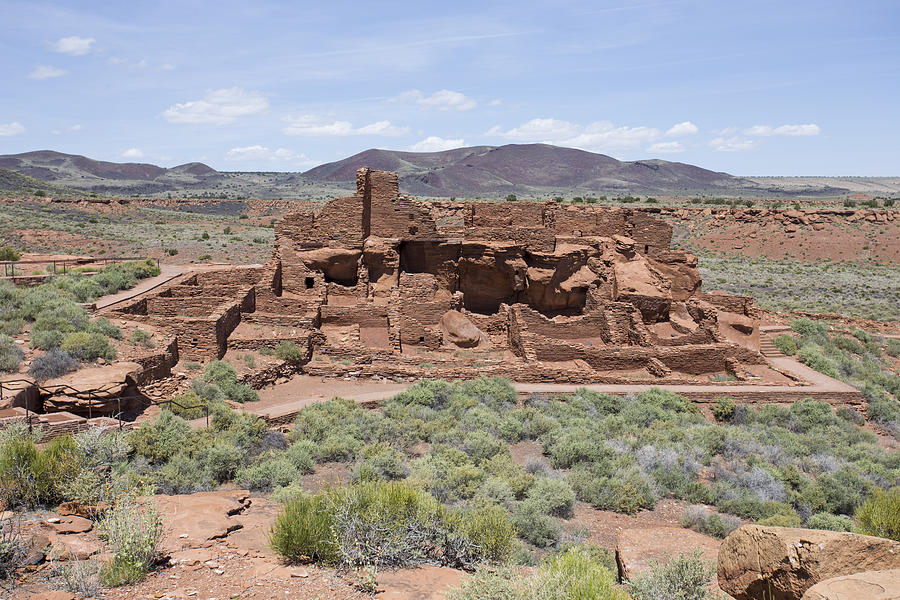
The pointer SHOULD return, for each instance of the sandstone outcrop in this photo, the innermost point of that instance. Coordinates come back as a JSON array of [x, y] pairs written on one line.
[[867, 585], [783, 563]]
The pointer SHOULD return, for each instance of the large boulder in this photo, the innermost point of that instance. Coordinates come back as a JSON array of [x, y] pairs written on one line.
[[868, 585], [781, 563], [460, 331]]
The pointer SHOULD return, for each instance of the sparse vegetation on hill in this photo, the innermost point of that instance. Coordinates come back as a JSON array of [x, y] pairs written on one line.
[[857, 357], [865, 290]]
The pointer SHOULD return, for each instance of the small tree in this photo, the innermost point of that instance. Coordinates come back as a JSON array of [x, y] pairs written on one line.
[[511, 198]]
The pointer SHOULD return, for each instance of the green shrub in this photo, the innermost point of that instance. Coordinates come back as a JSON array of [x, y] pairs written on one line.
[[574, 574], [829, 522], [133, 533], [806, 326], [723, 409], [783, 519], [289, 351], [303, 532], [8, 254], [32, 477], [383, 523], [880, 514], [489, 529], [82, 345], [12, 326], [684, 577], [786, 344], [10, 354], [535, 525], [703, 520], [892, 347], [188, 406], [811, 355], [224, 376], [160, 439], [554, 496], [13, 547]]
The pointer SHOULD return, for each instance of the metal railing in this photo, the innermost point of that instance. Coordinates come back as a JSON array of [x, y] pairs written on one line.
[[64, 265]]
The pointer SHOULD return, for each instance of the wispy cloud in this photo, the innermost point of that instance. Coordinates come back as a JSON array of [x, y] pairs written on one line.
[[318, 126], [46, 72], [680, 129], [133, 153], [69, 129], [440, 100], [14, 128], [599, 136], [732, 144], [263, 154], [434, 143], [667, 147], [218, 107], [792, 130], [74, 45]]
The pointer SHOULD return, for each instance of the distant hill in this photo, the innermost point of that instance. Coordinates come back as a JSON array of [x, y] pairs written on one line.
[[531, 168], [13, 183], [528, 170]]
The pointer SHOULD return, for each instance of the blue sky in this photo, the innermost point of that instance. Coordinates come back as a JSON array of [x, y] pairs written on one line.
[[752, 88]]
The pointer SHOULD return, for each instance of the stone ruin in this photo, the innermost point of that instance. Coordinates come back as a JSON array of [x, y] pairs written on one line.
[[378, 284]]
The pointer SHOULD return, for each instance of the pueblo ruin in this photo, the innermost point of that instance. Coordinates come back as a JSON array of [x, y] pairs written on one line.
[[378, 284]]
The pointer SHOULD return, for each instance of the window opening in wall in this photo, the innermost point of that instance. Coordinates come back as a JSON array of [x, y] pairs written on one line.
[[646, 249], [412, 216], [310, 282], [421, 338]]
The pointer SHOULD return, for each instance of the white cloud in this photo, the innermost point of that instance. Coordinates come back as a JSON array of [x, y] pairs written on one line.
[[316, 126], [13, 128], [495, 102], [434, 143], [732, 144], [440, 100], [166, 67], [45, 72], [666, 147], [598, 136], [74, 45], [133, 153], [261, 153], [538, 130], [685, 128], [218, 107], [69, 129], [793, 130]]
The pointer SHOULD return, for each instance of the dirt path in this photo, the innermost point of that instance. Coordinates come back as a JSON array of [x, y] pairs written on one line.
[[282, 402], [167, 274]]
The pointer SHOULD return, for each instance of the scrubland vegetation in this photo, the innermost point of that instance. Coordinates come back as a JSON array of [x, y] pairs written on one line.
[[433, 479], [58, 324], [856, 357], [864, 289]]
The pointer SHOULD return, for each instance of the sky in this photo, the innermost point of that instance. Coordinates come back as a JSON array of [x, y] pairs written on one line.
[[748, 87]]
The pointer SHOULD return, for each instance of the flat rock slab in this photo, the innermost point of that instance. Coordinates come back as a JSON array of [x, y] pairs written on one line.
[[868, 585], [638, 549], [421, 583], [195, 520], [104, 382], [71, 524]]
